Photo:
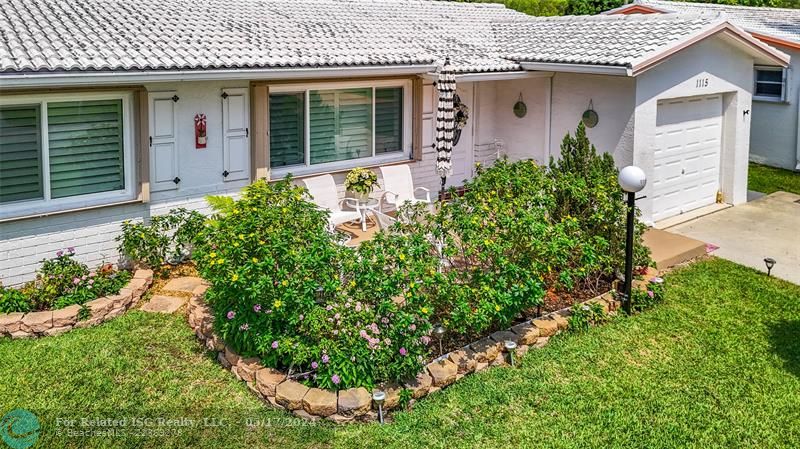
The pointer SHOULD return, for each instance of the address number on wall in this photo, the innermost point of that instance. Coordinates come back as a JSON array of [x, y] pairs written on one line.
[[701, 82]]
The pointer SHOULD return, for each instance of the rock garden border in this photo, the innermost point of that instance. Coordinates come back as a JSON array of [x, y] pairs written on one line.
[[57, 322], [355, 404]]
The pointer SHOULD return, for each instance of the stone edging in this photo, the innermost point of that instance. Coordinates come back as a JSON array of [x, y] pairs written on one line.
[[355, 404], [57, 322]]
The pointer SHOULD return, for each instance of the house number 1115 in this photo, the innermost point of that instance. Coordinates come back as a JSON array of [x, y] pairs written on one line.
[[701, 82]]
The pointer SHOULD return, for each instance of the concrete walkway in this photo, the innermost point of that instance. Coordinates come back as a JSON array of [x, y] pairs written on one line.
[[746, 234]]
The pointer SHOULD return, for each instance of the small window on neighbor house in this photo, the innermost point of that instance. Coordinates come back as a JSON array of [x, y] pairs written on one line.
[[770, 83], [322, 129], [61, 152]]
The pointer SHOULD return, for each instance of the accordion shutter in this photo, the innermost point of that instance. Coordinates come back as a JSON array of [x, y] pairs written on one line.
[[20, 153], [388, 120], [341, 124], [286, 130]]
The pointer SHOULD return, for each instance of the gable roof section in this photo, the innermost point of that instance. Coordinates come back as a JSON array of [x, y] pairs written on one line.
[[630, 42], [779, 23]]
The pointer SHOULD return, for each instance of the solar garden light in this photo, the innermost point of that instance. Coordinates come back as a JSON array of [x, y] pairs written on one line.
[[379, 397], [439, 331], [319, 295], [510, 347], [632, 179], [769, 262]]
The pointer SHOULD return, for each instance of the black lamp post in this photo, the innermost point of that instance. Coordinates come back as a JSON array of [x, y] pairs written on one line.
[[632, 179]]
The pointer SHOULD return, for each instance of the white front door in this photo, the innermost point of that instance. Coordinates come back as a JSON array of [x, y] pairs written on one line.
[[687, 155]]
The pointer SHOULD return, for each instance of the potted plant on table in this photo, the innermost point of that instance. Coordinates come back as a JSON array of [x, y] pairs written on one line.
[[360, 182]]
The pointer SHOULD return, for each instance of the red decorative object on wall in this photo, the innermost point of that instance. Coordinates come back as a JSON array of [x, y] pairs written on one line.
[[200, 138]]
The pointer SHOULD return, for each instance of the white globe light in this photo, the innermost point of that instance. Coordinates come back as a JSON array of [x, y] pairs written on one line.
[[632, 179]]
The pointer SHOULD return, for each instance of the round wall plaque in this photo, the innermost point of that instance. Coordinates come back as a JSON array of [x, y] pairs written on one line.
[[590, 117], [520, 109]]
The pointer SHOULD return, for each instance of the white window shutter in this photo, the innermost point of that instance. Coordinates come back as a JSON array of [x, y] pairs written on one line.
[[163, 141], [236, 134]]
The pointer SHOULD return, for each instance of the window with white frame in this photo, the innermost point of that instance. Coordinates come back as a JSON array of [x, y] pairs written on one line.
[[316, 128], [63, 151], [770, 83]]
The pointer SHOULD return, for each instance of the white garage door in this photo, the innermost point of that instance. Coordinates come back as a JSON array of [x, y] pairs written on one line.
[[687, 154]]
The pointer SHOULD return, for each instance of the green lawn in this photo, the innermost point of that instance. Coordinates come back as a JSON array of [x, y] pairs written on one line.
[[716, 365], [770, 179]]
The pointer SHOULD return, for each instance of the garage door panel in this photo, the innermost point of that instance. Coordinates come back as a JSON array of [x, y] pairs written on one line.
[[686, 154]]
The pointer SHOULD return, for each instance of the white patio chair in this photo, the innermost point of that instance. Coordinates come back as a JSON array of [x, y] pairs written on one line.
[[399, 187], [324, 194]]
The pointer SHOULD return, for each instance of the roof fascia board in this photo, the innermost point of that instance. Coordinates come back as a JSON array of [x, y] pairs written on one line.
[[772, 40], [492, 76], [723, 27], [593, 69], [634, 8], [9, 80]]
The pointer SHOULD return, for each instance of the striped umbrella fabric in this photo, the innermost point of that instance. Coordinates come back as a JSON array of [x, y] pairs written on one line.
[[445, 122]]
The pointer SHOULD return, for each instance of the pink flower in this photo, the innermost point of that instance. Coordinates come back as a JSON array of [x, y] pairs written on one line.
[[385, 320], [71, 249], [314, 365], [91, 281], [325, 358], [336, 332], [76, 281], [275, 344], [403, 352], [231, 314], [337, 316], [257, 308], [412, 327], [650, 293], [59, 253], [374, 328], [387, 341], [244, 327], [335, 379], [329, 307], [358, 307], [425, 339], [363, 334]]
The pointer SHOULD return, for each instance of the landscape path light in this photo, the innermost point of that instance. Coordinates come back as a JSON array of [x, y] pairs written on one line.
[[510, 347], [379, 397], [632, 179], [769, 262]]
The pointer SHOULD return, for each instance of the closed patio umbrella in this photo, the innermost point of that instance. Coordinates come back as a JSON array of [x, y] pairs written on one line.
[[445, 123]]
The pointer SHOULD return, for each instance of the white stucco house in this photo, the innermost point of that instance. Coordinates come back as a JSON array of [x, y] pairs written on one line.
[[775, 126], [99, 100]]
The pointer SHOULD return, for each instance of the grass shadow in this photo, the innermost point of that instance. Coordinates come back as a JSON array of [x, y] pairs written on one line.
[[784, 338]]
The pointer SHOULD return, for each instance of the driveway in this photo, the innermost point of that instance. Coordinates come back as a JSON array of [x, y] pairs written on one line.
[[746, 234]]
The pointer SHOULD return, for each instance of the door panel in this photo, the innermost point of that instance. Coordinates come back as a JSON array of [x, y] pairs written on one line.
[[687, 155]]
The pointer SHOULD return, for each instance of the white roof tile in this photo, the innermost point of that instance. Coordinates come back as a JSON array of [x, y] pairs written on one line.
[[783, 23], [118, 35]]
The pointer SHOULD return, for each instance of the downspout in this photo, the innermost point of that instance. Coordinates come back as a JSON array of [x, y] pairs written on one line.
[[475, 121], [797, 136]]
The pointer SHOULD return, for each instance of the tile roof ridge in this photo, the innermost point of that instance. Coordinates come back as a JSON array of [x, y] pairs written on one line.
[[713, 5]]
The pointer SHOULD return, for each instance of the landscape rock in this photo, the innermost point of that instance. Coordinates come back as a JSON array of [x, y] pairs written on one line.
[[232, 357], [480, 366], [526, 332], [266, 380], [420, 385], [546, 326], [246, 368], [37, 322], [10, 322], [339, 419], [67, 316], [143, 274], [464, 360], [223, 361], [443, 372], [163, 304], [486, 349], [200, 290], [561, 321], [290, 394], [521, 351], [99, 307], [502, 336], [300, 413], [137, 285], [184, 284], [354, 401], [541, 342], [53, 331], [392, 396], [320, 402]]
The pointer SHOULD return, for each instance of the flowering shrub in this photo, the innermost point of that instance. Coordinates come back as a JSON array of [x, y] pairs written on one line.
[[584, 316], [361, 180], [63, 281], [166, 238], [652, 294], [285, 291]]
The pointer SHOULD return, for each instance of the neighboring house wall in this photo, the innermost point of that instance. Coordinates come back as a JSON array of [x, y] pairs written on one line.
[[728, 72], [774, 128]]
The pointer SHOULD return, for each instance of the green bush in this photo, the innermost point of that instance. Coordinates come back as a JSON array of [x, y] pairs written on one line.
[[60, 282], [583, 316], [166, 238], [585, 188], [284, 290], [650, 295]]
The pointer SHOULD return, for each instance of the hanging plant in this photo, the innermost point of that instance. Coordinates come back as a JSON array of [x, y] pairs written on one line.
[[461, 117]]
